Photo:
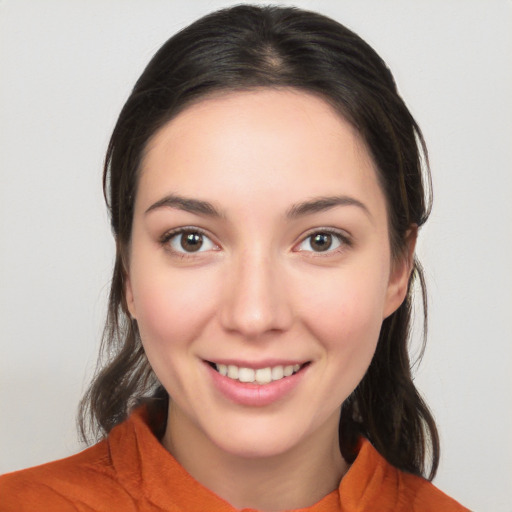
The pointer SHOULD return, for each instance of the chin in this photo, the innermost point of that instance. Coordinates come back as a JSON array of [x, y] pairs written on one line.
[[256, 437], [257, 446]]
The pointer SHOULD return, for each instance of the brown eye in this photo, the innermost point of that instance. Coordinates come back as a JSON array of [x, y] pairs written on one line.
[[321, 242], [188, 241], [191, 241]]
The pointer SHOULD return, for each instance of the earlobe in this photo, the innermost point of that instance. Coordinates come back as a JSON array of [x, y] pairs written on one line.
[[400, 273]]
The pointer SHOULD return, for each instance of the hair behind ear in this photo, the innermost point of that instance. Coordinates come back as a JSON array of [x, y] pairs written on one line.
[[386, 407]]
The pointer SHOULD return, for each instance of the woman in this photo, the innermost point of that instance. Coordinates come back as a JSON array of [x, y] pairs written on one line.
[[265, 189]]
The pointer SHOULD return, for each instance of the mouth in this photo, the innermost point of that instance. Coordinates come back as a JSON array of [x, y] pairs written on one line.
[[258, 376]]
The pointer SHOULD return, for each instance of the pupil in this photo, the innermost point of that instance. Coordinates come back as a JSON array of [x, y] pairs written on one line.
[[191, 242], [321, 241]]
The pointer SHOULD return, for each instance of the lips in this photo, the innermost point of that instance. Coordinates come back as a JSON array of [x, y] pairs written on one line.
[[256, 386]]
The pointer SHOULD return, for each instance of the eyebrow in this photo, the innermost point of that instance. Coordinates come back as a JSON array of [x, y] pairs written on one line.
[[315, 205], [187, 204], [320, 204]]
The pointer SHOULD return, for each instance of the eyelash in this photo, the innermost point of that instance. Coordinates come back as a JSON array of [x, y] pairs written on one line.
[[343, 239], [169, 235]]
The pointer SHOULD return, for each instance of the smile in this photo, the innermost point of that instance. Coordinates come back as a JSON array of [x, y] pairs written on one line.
[[259, 376], [256, 387]]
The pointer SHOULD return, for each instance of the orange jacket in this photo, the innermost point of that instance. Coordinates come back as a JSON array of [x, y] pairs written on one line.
[[132, 471]]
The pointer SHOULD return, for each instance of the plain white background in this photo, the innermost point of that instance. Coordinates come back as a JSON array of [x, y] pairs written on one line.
[[67, 67]]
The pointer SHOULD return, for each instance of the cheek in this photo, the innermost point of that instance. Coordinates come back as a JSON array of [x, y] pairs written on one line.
[[172, 307], [345, 315], [172, 311]]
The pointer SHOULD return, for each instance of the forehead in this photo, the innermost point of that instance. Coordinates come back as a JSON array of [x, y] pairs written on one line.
[[265, 141], [264, 109]]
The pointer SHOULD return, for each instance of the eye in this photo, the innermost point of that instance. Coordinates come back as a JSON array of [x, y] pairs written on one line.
[[322, 241], [188, 241]]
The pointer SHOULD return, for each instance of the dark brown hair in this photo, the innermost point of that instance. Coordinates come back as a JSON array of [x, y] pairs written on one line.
[[246, 47]]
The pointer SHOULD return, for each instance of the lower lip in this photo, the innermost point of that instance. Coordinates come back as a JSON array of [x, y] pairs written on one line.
[[255, 395]]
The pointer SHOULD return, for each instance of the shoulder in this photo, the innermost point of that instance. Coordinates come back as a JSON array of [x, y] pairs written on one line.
[[420, 495], [85, 481], [111, 475], [374, 481]]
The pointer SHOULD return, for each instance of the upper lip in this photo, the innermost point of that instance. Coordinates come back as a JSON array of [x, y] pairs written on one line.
[[264, 363]]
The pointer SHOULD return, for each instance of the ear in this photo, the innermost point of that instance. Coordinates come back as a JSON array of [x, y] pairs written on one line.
[[401, 270], [128, 295]]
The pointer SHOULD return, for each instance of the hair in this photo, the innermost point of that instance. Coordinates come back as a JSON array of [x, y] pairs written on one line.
[[243, 48]]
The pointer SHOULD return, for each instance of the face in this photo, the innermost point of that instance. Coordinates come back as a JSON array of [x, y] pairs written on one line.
[[260, 268]]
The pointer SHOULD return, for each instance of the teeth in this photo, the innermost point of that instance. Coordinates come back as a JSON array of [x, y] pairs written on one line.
[[233, 371], [260, 376], [246, 374], [264, 375], [288, 370], [277, 372]]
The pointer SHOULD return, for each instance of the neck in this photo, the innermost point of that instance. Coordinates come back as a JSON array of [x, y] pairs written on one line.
[[297, 478]]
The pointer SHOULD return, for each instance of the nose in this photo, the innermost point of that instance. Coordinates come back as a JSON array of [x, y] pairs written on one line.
[[255, 300]]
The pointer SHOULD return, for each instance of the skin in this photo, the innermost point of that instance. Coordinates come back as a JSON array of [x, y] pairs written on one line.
[[257, 289]]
